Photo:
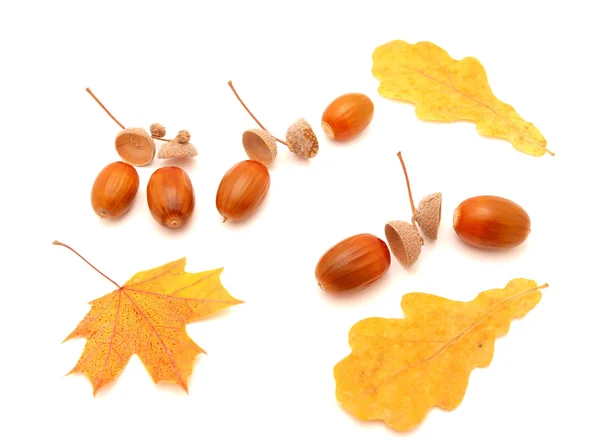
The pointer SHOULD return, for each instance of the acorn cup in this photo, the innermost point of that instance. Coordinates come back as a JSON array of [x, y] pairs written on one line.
[[404, 239], [429, 214], [179, 147], [261, 145]]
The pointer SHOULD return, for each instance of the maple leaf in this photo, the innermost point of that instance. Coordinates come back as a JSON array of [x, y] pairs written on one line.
[[448, 90], [400, 368], [147, 316]]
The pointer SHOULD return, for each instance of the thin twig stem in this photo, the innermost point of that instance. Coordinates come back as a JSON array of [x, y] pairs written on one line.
[[230, 83], [104, 107], [412, 203], [55, 242]]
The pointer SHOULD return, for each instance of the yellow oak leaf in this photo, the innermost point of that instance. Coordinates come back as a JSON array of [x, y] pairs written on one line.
[[147, 316], [448, 90], [400, 368]]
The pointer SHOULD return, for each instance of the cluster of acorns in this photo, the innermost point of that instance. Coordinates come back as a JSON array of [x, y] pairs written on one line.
[[487, 222], [484, 222], [244, 186], [169, 192]]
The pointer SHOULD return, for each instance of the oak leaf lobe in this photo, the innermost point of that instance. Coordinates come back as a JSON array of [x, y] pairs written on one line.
[[401, 368], [448, 90]]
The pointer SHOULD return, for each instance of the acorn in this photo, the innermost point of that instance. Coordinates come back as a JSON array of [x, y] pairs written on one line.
[[114, 189], [179, 147], [347, 116], [170, 197], [491, 222], [242, 190], [261, 145], [353, 264]]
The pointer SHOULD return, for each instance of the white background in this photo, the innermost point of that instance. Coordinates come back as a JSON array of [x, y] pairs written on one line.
[[268, 374]]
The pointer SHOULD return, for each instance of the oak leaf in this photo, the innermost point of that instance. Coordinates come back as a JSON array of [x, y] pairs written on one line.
[[448, 90], [400, 368], [147, 316]]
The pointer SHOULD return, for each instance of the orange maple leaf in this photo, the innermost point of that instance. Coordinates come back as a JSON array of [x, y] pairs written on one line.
[[147, 316]]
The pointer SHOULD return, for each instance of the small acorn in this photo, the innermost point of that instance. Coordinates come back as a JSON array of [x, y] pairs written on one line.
[[170, 197], [347, 116], [260, 144], [353, 264], [242, 190], [301, 140], [134, 145], [491, 222], [114, 189], [179, 147], [157, 130]]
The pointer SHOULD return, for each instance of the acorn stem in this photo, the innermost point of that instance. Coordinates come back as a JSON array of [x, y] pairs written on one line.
[[412, 203], [162, 139], [55, 242], [230, 83], [104, 107]]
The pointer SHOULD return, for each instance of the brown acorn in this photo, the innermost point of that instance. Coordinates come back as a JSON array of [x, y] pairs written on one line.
[[242, 190], [353, 264], [170, 196], [491, 222], [114, 189], [347, 116]]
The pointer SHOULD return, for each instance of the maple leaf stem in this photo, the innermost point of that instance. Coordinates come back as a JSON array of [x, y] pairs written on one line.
[[230, 83], [56, 242], [412, 203]]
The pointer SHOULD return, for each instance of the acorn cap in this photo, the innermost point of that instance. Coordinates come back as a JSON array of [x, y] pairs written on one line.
[[405, 242], [157, 130], [428, 214], [178, 147], [301, 139], [260, 145], [135, 146]]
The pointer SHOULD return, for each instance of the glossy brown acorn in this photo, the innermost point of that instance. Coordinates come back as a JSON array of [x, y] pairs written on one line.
[[347, 116], [353, 264], [170, 196], [114, 190], [242, 189], [490, 222]]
